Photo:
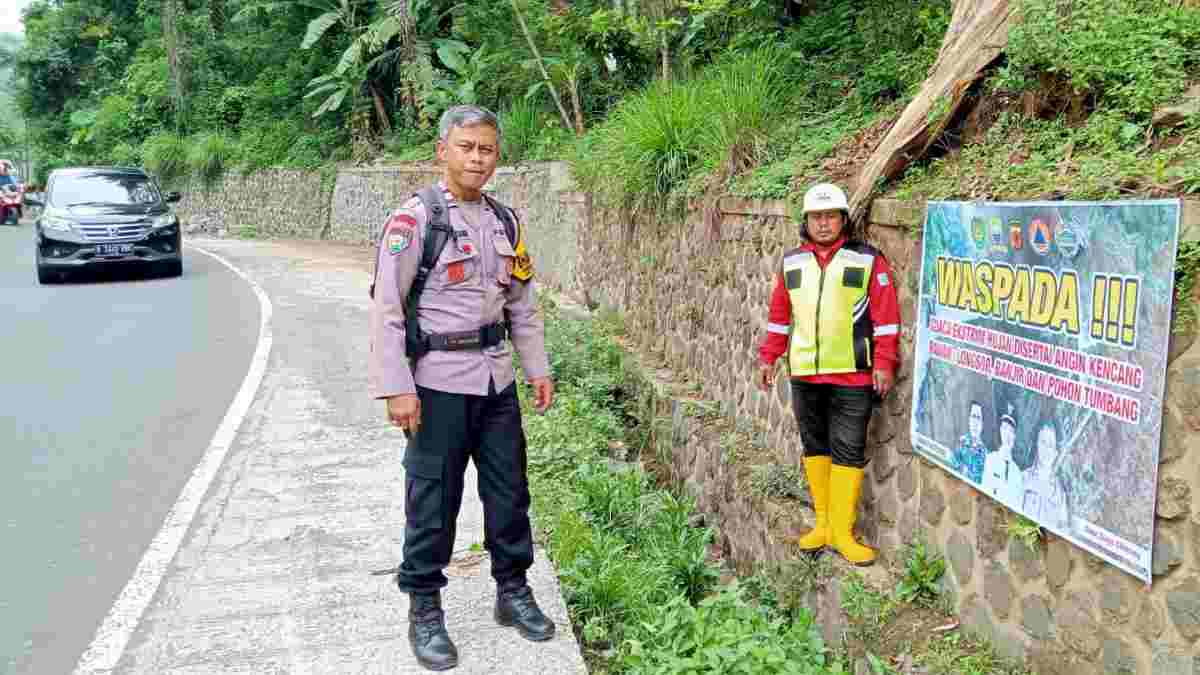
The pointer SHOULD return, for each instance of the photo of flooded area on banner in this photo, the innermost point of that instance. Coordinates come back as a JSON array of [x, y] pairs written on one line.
[[1041, 355]]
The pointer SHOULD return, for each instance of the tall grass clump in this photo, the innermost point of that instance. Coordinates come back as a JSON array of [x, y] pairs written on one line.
[[210, 155], [521, 123], [747, 94], [165, 156], [657, 139], [646, 147]]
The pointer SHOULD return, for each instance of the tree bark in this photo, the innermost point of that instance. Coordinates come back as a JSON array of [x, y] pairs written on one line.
[[566, 119], [173, 39], [385, 124], [977, 36]]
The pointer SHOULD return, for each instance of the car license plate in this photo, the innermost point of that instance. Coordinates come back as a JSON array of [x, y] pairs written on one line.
[[108, 250]]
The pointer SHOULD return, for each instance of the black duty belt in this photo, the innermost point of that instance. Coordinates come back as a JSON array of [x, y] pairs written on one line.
[[488, 336]]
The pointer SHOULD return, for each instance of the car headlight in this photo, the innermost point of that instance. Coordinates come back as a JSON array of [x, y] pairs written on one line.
[[56, 223], [163, 220]]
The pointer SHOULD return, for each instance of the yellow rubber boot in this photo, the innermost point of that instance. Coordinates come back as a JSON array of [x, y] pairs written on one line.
[[845, 485], [817, 470]]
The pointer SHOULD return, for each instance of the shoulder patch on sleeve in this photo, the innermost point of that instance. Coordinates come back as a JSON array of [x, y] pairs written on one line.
[[398, 240], [523, 265]]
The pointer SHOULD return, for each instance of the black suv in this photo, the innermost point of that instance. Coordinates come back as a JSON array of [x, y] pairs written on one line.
[[102, 216]]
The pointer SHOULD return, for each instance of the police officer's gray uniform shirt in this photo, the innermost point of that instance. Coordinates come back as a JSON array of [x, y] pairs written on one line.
[[470, 286]]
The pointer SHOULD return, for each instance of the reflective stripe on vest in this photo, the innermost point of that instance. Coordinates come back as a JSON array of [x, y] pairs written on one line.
[[831, 329]]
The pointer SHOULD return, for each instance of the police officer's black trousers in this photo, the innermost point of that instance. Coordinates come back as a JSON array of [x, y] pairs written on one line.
[[833, 420], [455, 428]]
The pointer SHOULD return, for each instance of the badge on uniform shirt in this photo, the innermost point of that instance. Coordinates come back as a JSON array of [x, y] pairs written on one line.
[[401, 228], [399, 240], [456, 271]]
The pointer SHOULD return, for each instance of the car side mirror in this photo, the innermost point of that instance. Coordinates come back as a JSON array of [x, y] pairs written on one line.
[[173, 197], [33, 201]]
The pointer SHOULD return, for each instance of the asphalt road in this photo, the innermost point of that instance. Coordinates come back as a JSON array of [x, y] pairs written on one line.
[[111, 390]]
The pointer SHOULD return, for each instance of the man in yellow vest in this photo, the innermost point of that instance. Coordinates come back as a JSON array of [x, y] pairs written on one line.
[[835, 313]]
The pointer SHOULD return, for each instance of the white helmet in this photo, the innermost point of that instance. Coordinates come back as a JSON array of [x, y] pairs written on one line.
[[825, 197]]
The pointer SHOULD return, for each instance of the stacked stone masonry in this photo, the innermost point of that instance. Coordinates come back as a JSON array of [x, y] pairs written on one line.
[[694, 293]]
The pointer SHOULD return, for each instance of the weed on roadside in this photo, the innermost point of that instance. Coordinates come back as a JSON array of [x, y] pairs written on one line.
[[780, 481], [957, 654], [1024, 530], [923, 570], [635, 573]]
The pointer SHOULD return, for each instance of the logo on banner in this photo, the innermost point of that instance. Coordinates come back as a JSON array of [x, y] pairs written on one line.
[[999, 243], [979, 233], [1015, 240], [1066, 240], [1039, 236]]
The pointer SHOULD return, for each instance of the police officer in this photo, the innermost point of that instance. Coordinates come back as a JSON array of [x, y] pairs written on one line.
[[835, 313], [460, 400]]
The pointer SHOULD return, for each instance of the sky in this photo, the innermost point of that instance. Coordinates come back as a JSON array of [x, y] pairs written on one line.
[[10, 15]]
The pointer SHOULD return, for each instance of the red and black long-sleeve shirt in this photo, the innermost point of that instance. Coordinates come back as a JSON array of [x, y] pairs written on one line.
[[883, 308]]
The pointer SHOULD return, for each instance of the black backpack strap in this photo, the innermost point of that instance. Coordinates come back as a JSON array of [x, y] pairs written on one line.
[[506, 216], [437, 232]]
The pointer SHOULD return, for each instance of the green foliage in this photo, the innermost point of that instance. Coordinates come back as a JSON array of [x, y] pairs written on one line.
[[635, 574], [209, 156], [781, 481], [1129, 56], [726, 634], [923, 570], [656, 139], [956, 654], [1024, 530], [867, 609], [784, 587], [165, 156], [1187, 267]]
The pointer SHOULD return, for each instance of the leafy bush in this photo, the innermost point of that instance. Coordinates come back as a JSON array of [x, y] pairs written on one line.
[[634, 572], [1129, 55], [726, 634], [165, 156]]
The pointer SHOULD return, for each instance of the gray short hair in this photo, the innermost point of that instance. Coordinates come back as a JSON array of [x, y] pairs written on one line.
[[467, 116]]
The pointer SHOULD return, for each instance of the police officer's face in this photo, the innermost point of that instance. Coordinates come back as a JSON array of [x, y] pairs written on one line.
[[825, 227], [469, 155], [975, 421]]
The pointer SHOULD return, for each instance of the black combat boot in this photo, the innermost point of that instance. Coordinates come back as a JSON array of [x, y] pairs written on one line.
[[515, 606], [427, 632]]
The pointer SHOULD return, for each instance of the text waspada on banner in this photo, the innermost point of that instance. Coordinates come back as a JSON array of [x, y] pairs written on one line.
[[1041, 355]]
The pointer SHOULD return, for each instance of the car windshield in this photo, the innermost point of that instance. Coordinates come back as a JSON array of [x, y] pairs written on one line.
[[96, 188]]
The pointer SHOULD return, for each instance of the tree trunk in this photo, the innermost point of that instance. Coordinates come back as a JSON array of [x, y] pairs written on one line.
[[977, 36], [173, 39], [566, 119], [665, 52], [385, 124], [575, 104]]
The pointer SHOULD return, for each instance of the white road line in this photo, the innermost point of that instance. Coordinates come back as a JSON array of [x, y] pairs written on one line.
[[113, 635]]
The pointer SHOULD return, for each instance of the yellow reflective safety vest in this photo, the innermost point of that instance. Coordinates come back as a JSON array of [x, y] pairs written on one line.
[[831, 329]]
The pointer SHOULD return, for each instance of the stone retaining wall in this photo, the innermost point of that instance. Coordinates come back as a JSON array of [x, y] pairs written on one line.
[[270, 203], [694, 295]]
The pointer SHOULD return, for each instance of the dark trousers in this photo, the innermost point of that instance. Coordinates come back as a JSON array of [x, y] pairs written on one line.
[[455, 428], [833, 420]]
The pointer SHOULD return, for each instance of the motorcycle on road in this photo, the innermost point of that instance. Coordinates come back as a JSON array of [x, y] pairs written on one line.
[[12, 204]]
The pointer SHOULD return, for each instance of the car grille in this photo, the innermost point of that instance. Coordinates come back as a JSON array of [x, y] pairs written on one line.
[[126, 232]]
